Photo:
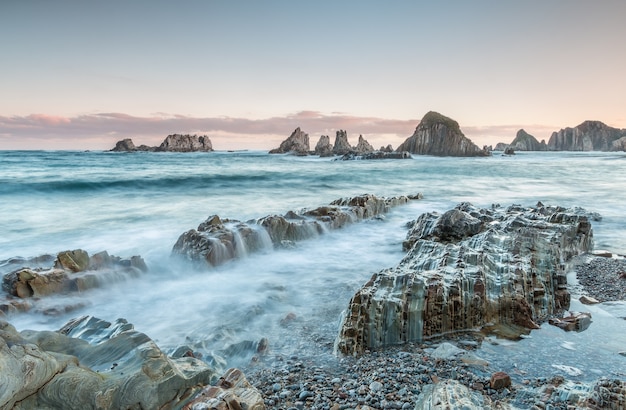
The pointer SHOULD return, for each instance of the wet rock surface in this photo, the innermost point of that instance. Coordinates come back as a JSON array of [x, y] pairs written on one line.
[[217, 241], [71, 271], [91, 363], [466, 269]]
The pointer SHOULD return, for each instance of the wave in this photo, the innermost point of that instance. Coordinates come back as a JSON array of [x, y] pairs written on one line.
[[147, 183]]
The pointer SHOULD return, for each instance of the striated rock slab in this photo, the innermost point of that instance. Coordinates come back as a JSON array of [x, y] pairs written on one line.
[[91, 363], [439, 135], [297, 143], [466, 269], [217, 241]]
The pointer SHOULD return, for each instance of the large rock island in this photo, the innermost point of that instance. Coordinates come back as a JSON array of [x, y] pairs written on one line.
[[588, 136], [172, 143], [439, 135]]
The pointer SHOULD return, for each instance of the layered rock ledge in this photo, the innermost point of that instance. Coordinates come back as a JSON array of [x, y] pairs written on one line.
[[72, 271], [217, 240], [91, 363], [466, 269]]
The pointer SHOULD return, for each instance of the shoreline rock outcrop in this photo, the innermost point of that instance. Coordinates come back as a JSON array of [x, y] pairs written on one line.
[[588, 136], [73, 271], [217, 240], [297, 143], [91, 363], [439, 135], [171, 143], [468, 268]]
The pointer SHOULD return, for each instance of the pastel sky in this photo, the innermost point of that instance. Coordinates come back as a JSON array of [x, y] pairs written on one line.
[[85, 74]]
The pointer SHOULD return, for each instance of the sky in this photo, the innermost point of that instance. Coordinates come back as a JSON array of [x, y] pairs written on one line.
[[85, 74]]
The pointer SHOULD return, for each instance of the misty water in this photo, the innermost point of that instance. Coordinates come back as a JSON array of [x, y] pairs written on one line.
[[140, 203]]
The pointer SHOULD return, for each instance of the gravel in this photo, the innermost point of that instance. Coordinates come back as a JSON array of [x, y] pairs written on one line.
[[603, 278]]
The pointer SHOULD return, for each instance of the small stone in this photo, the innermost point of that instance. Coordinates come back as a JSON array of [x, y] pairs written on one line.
[[500, 380], [588, 300], [376, 386]]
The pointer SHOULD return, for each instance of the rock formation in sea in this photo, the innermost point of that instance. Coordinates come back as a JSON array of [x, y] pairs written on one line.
[[588, 136], [352, 155], [523, 141], [619, 144], [466, 269], [501, 146], [219, 240], [91, 363], [439, 135], [186, 143], [171, 143], [297, 143], [363, 147], [323, 148], [73, 271], [341, 146]]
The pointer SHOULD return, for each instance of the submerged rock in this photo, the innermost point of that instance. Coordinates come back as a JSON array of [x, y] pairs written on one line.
[[439, 135], [217, 241], [466, 269], [91, 363]]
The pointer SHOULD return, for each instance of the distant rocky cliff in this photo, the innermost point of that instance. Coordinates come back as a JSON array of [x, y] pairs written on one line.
[[588, 136], [439, 135], [172, 143], [525, 142]]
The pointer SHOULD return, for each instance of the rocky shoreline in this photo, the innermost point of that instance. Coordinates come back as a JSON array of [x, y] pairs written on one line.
[[441, 367]]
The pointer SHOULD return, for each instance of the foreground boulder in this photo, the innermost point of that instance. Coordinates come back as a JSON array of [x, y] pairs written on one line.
[[466, 269], [91, 363], [297, 143], [217, 241], [439, 135]]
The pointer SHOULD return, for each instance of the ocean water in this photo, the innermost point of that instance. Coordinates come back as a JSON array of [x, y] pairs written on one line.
[[139, 203]]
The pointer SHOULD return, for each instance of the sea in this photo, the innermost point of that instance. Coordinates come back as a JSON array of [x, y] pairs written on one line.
[[140, 203]]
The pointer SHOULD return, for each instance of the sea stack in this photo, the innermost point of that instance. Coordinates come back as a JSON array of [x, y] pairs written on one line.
[[342, 146], [439, 135], [525, 142], [297, 143]]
